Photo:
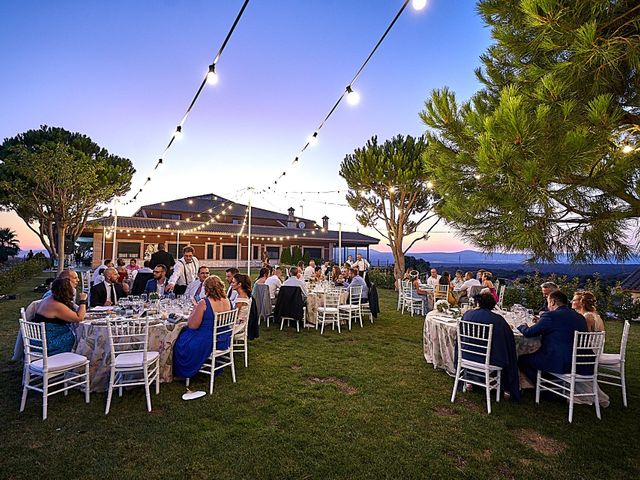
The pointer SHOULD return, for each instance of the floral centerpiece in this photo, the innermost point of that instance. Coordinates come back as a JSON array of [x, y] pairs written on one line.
[[442, 306]]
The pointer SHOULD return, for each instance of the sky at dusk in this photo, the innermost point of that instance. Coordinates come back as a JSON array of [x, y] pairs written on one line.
[[123, 73]]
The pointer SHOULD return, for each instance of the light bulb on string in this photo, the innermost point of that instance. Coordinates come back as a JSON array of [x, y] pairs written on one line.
[[313, 139], [212, 76], [627, 149], [419, 4], [178, 133], [353, 97]]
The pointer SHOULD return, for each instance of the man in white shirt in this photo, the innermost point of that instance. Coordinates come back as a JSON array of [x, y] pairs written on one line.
[[310, 271], [274, 283], [294, 281], [469, 281], [184, 272], [432, 281], [362, 264], [195, 290], [98, 274], [231, 293]]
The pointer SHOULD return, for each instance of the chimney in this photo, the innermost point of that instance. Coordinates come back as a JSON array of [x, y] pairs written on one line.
[[325, 222], [291, 221]]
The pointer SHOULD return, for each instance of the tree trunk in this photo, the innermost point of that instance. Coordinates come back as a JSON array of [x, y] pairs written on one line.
[[62, 230], [398, 261]]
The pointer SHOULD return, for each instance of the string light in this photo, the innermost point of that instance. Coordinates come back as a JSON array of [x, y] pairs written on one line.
[[212, 76], [353, 97], [419, 4], [627, 149], [178, 133]]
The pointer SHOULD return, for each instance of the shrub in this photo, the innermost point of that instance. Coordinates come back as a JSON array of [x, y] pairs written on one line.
[[12, 277], [383, 278]]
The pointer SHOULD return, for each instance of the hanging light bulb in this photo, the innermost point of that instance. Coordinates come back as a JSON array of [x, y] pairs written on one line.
[[212, 76], [627, 149], [477, 176], [353, 97], [429, 185], [419, 4], [313, 139], [178, 134]]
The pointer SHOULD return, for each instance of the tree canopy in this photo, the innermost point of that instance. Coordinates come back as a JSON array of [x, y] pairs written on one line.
[[544, 158], [389, 189], [55, 180], [9, 244]]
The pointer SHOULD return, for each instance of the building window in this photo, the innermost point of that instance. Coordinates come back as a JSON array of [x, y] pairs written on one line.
[[274, 253], [211, 248], [256, 253], [235, 221], [128, 250], [229, 252], [315, 253], [171, 248], [171, 216]]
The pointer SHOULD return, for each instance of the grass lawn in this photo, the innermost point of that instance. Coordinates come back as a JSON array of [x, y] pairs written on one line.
[[362, 404]]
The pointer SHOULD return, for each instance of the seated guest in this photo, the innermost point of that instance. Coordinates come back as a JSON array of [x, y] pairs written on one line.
[[356, 280], [195, 290], [159, 281], [310, 271], [487, 282], [458, 280], [242, 285], [263, 275], [57, 311], [300, 269], [503, 344], [556, 327], [407, 273], [317, 276], [97, 275], [231, 293], [133, 266], [294, 281], [140, 278], [274, 282], [546, 288], [73, 278], [445, 279], [417, 292], [584, 302], [336, 276], [433, 278], [194, 344], [108, 292]]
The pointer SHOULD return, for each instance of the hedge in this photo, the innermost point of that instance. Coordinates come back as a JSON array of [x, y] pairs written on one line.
[[12, 277]]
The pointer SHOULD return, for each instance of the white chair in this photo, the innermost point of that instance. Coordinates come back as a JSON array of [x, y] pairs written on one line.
[[240, 338], [55, 370], [399, 287], [329, 312], [475, 339], [587, 348], [85, 278], [223, 323], [365, 309], [611, 365], [412, 303], [440, 292], [132, 363], [351, 310], [501, 296]]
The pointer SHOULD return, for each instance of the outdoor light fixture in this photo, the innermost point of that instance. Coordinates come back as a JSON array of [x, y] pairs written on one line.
[[429, 185], [627, 149], [178, 134], [419, 4], [353, 97], [212, 76], [313, 139], [477, 176]]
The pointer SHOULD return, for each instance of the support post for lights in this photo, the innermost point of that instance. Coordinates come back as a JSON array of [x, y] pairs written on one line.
[[340, 244], [238, 249], [178, 244], [114, 254], [249, 252], [104, 243]]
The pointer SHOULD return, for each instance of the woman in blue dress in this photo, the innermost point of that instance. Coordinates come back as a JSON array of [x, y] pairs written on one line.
[[57, 311], [195, 344]]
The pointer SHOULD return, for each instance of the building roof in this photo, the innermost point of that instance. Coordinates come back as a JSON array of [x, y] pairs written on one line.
[[202, 203], [156, 224], [632, 282]]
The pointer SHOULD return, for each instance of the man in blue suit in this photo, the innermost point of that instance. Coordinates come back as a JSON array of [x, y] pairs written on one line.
[[503, 345], [158, 282], [556, 327]]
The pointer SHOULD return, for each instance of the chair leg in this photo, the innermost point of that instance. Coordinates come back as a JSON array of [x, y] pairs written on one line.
[[281, 323], [45, 395], [571, 392], [87, 385], [624, 385], [157, 376], [246, 353], [233, 368], [538, 386], [146, 388], [187, 382], [110, 393], [596, 397], [337, 322], [213, 375], [487, 379], [499, 378], [322, 327], [455, 384], [26, 379]]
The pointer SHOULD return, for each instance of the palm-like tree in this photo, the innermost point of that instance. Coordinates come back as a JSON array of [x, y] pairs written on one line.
[[9, 244]]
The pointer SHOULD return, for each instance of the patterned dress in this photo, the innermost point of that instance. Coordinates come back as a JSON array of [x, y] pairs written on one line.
[[60, 338]]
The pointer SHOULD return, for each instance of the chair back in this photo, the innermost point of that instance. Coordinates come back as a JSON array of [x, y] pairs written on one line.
[[262, 298], [474, 339], [332, 299], [355, 295], [407, 288], [587, 348], [34, 336], [501, 296], [223, 322], [140, 282], [625, 337], [441, 292], [128, 336], [474, 290], [289, 303]]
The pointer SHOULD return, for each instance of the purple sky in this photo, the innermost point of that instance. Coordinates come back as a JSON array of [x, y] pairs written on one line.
[[124, 72]]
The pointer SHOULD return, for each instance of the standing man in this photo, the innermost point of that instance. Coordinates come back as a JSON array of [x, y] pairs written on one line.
[[195, 290], [432, 281], [310, 271], [108, 292], [185, 272], [231, 293], [362, 264], [162, 257], [547, 288], [97, 275], [158, 283]]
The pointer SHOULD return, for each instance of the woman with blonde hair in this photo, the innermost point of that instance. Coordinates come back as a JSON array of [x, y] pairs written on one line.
[[584, 302], [194, 344]]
